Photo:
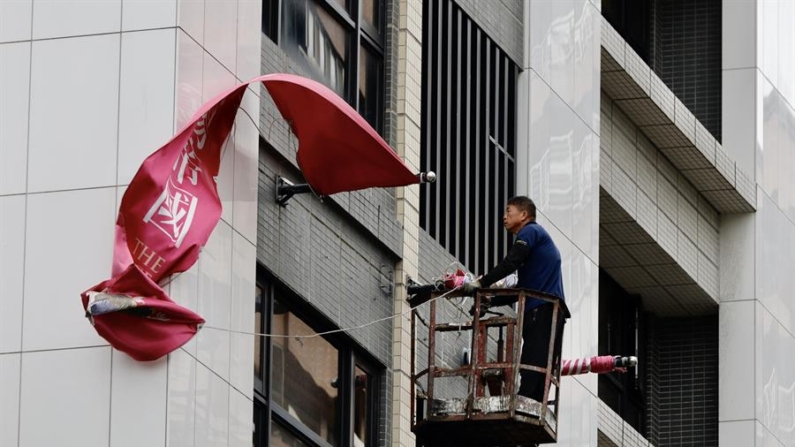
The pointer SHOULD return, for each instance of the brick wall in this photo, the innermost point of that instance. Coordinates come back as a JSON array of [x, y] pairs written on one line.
[[686, 48], [683, 382]]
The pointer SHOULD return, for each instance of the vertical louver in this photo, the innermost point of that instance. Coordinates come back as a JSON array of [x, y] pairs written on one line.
[[468, 136]]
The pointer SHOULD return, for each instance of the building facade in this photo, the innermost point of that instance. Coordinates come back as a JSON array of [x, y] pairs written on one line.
[[656, 138]]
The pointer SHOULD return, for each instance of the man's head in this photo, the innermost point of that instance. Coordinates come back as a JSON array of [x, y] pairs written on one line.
[[518, 212]]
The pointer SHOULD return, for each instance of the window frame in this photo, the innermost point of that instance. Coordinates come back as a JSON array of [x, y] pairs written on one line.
[[353, 23], [350, 356]]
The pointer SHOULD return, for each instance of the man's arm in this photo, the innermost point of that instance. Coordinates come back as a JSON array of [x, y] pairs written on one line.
[[515, 258], [517, 255]]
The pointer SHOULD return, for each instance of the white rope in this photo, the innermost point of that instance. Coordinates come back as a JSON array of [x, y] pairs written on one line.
[[333, 331]]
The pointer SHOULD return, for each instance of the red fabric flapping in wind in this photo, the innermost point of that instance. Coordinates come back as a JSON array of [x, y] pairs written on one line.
[[172, 205], [337, 149]]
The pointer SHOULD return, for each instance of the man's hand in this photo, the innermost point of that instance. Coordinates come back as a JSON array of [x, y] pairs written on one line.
[[470, 287]]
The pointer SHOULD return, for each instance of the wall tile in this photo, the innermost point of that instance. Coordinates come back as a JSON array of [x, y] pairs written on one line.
[[596, 161], [212, 409], [596, 126], [768, 155], [736, 433], [582, 194], [14, 89], [562, 50], [220, 17], [9, 404], [63, 402], [244, 258], [136, 386], [240, 417], [786, 148], [736, 345], [769, 36], [190, 60], [226, 178], [82, 124], [12, 251], [15, 20], [774, 374], [184, 290], [75, 18], [764, 438], [190, 17], [786, 42], [558, 205], [541, 13], [146, 112], [773, 259], [736, 268], [738, 109], [584, 89], [246, 175], [215, 290], [146, 14], [181, 399], [739, 51], [523, 128], [249, 35], [539, 150], [53, 315]]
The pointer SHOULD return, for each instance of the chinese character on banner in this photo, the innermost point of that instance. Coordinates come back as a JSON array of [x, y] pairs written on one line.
[[173, 212], [188, 162]]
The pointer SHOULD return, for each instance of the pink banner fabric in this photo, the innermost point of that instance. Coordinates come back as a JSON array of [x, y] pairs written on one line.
[[172, 205]]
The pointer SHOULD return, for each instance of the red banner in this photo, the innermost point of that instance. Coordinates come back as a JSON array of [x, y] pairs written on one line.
[[172, 206]]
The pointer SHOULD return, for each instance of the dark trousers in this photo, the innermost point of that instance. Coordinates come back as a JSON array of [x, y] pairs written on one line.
[[535, 350]]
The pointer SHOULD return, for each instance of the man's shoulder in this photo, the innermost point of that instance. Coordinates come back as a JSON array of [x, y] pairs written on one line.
[[532, 228]]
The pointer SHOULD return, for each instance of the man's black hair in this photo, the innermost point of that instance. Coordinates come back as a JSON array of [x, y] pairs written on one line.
[[524, 203]]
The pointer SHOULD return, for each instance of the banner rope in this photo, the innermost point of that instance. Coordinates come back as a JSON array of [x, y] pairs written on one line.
[[333, 331]]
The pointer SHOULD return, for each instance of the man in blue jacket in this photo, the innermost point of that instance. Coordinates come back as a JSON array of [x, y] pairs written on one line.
[[537, 259]]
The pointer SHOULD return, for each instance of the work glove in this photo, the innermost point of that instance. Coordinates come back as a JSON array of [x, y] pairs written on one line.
[[470, 287]]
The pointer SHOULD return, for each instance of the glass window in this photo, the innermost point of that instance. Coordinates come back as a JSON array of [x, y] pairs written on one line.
[[317, 41], [281, 437], [361, 413], [345, 5], [258, 344], [371, 14], [304, 374], [316, 391], [270, 18], [370, 87], [329, 43]]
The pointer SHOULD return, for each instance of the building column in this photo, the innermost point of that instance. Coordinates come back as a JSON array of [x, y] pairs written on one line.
[[409, 92]]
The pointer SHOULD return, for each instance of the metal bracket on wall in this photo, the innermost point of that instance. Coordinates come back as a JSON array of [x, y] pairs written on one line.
[[286, 189]]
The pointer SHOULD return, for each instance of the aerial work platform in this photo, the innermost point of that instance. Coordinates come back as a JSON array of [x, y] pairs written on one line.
[[490, 413]]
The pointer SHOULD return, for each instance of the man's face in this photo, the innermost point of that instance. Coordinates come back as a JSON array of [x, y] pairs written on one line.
[[513, 219]]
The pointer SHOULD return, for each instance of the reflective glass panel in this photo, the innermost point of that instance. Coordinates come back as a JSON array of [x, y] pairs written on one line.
[[304, 374], [281, 437], [370, 87], [258, 354], [361, 416], [371, 13]]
